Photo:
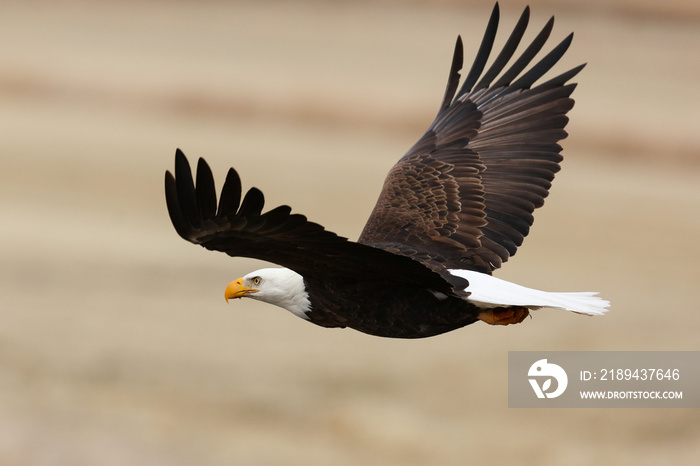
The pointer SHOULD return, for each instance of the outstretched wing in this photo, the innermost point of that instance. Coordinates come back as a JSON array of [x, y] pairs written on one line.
[[239, 228], [465, 192]]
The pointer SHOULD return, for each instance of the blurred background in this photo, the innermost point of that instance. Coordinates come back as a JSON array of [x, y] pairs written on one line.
[[116, 345]]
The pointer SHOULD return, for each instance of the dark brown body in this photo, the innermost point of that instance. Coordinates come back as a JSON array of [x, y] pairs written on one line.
[[387, 309]]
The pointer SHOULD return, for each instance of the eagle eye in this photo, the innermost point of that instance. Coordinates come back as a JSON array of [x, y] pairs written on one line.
[[257, 281]]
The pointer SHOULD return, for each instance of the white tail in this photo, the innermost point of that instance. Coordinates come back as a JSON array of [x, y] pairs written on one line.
[[488, 291]]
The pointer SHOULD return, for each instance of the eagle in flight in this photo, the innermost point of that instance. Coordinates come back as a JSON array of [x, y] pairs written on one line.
[[451, 211]]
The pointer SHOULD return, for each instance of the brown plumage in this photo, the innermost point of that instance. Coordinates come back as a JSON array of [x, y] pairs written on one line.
[[461, 198]]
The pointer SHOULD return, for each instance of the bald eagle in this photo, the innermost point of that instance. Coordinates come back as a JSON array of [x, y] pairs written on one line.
[[451, 211]]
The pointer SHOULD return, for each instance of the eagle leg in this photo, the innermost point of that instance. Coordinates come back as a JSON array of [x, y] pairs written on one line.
[[504, 315]]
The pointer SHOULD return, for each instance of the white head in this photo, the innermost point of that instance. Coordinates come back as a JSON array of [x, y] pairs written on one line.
[[281, 287]]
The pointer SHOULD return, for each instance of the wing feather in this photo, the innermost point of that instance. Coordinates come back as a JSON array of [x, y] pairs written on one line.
[[206, 193], [507, 51], [490, 154], [230, 194], [482, 55]]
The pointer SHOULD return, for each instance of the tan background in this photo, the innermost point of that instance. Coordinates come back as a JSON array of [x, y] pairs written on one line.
[[116, 346]]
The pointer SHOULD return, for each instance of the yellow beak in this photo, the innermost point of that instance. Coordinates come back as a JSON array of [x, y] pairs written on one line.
[[236, 289]]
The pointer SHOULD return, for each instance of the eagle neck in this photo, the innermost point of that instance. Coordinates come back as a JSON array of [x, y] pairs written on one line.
[[296, 300]]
